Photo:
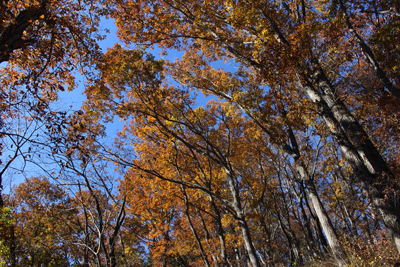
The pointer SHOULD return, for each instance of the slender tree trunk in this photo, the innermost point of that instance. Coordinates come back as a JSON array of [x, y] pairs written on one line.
[[267, 245], [295, 253], [248, 242], [369, 55], [352, 226], [294, 244], [319, 208], [317, 224], [13, 246], [206, 237], [371, 169], [307, 225], [221, 233], [192, 227], [323, 217], [87, 240], [241, 218], [237, 257], [112, 239]]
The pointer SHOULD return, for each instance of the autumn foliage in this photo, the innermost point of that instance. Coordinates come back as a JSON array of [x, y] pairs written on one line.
[[293, 161]]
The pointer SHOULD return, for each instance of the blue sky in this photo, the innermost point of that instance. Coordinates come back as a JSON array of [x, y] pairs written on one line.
[[72, 101], [76, 97]]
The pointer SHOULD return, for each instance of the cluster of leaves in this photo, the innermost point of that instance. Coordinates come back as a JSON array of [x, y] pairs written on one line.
[[43, 45], [294, 162], [5, 227], [40, 211]]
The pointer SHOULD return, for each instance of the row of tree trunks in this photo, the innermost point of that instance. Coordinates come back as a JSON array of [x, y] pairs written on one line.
[[356, 146]]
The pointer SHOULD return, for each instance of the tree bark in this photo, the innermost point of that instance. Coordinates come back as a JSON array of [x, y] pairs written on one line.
[[317, 204], [370, 168], [312, 247], [11, 36], [294, 244], [192, 227], [241, 218], [221, 232]]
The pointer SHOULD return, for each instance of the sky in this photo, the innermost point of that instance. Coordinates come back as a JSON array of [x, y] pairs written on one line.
[[72, 101], [76, 97], [68, 101]]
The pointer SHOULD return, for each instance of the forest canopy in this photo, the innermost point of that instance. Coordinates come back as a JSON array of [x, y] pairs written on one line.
[[294, 161]]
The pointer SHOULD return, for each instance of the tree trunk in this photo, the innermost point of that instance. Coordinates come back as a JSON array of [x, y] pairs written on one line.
[[11, 37], [248, 242], [319, 208], [192, 227], [206, 237], [370, 168], [295, 253], [221, 233], [294, 244], [323, 217], [369, 55], [241, 218], [312, 247]]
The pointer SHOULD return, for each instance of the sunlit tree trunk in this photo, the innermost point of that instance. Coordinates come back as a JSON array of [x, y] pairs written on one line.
[[241, 219], [206, 237], [371, 169], [317, 204]]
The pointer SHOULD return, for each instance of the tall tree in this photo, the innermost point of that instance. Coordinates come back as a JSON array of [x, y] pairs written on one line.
[[43, 44], [42, 224], [288, 44]]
